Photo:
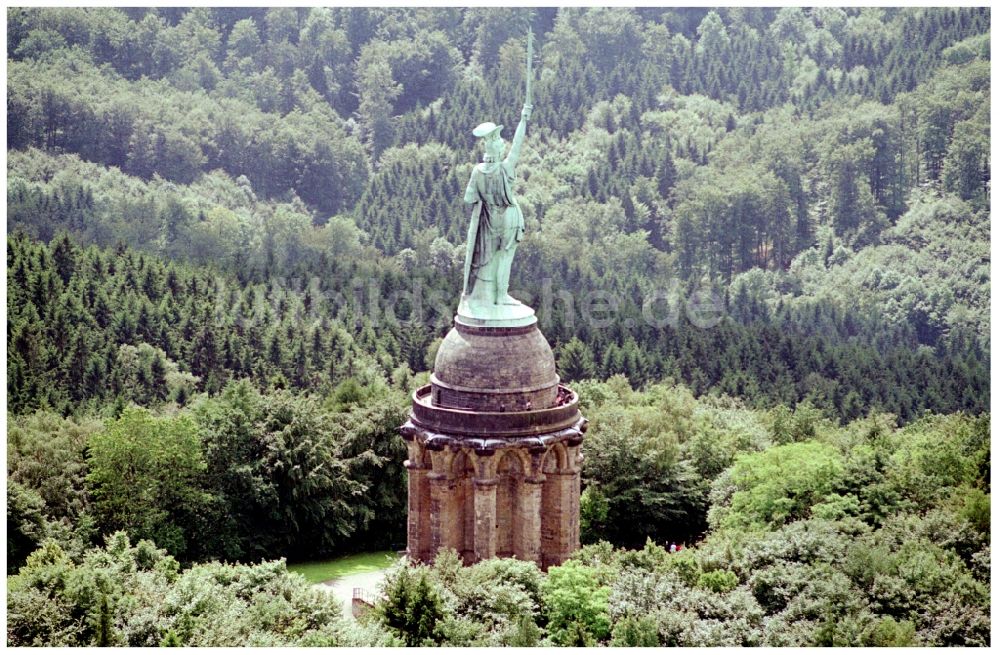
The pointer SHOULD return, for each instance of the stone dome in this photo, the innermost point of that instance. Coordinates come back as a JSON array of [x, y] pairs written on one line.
[[495, 369]]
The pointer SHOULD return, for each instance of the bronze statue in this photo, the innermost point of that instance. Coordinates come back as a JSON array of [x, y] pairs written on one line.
[[497, 224]]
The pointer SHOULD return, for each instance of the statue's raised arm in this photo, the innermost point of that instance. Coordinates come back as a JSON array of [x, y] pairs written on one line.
[[515, 145]]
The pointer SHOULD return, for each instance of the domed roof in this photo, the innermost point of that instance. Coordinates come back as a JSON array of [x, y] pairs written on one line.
[[495, 369]]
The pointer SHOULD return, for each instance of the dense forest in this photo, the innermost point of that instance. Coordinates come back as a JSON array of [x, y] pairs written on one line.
[[235, 239], [817, 534]]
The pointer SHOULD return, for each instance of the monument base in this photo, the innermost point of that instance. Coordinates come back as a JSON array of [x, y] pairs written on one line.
[[495, 493], [475, 314], [494, 445]]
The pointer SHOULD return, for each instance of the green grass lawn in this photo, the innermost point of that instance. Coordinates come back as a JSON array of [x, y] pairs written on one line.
[[324, 570]]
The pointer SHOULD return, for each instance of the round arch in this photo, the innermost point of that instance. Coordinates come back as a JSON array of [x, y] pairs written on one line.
[[556, 458]]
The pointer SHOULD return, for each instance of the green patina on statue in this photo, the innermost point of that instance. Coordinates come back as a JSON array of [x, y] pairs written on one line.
[[496, 225]]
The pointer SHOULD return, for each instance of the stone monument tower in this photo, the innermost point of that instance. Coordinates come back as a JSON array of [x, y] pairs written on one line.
[[494, 439], [494, 450]]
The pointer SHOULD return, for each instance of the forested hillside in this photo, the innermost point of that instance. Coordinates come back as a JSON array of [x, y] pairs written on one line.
[[241, 230], [826, 171]]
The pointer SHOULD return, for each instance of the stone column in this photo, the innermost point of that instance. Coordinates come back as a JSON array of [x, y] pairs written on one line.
[[439, 502], [445, 531], [566, 539], [530, 517], [417, 514], [486, 518], [576, 465]]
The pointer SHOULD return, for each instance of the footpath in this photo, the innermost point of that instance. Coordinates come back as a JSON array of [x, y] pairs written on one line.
[[343, 587]]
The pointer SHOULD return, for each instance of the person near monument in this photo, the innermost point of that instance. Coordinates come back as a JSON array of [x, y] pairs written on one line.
[[497, 223]]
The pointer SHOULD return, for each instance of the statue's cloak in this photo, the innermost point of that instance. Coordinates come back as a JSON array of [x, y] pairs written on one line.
[[474, 245], [491, 193]]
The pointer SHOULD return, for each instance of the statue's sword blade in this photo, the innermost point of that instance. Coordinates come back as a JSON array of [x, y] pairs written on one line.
[[527, 74]]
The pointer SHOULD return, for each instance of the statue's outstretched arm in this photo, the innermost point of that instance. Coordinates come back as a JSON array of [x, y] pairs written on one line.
[[522, 127]]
